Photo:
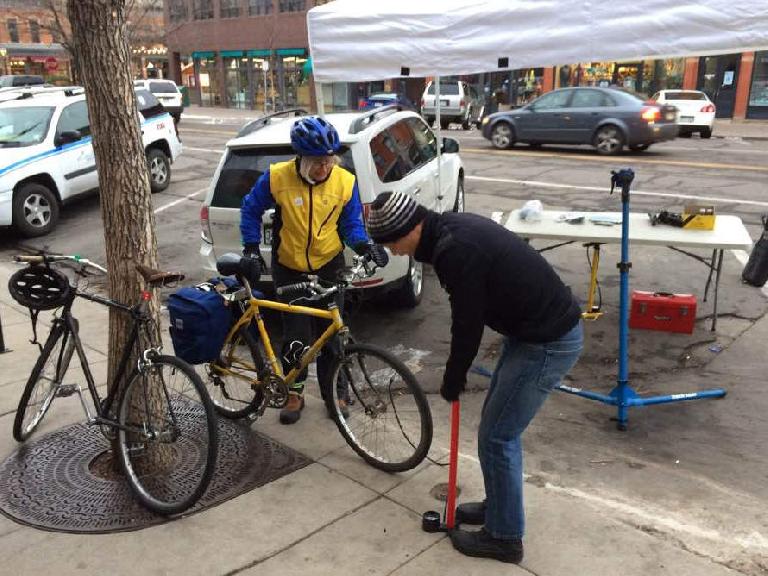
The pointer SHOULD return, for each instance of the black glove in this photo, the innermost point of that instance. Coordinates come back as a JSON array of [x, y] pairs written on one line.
[[451, 390], [374, 253], [252, 263]]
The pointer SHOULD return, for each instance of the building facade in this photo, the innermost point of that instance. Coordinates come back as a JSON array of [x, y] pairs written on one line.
[[254, 54], [29, 43]]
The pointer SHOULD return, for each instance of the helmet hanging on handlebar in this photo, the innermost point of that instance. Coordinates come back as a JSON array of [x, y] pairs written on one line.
[[40, 288]]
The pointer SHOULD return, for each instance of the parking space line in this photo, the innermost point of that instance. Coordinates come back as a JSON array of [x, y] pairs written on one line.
[[179, 201], [203, 149], [539, 184], [616, 160]]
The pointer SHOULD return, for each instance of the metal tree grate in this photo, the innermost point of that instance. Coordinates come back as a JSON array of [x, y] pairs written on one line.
[[49, 484]]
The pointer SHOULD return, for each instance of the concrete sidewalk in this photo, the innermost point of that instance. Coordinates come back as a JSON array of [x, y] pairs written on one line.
[[724, 128], [599, 502]]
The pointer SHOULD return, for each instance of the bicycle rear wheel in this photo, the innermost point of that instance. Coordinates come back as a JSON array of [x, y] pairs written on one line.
[[229, 379], [389, 423], [44, 382], [167, 435]]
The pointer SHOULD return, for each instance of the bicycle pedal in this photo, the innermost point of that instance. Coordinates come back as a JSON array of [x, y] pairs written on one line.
[[65, 390]]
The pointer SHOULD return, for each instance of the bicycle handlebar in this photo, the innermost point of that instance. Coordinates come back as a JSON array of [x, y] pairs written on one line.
[[363, 268], [45, 258]]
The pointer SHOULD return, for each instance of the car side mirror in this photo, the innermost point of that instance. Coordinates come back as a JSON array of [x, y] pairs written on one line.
[[450, 146], [67, 137]]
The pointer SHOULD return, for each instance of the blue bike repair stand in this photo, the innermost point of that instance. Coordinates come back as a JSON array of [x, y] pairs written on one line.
[[623, 396]]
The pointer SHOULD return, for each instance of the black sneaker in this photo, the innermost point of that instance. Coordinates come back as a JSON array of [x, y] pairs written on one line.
[[471, 513], [482, 545]]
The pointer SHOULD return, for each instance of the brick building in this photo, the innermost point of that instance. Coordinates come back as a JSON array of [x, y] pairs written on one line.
[[27, 44]]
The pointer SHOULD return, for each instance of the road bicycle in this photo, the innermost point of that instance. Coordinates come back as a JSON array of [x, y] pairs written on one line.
[[388, 421], [159, 414]]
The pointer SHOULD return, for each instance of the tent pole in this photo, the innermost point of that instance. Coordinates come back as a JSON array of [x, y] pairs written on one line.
[[319, 99], [439, 146]]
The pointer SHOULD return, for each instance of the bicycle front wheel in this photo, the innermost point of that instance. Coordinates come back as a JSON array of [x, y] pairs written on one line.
[[167, 435], [44, 382], [389, 423], [231, 377]]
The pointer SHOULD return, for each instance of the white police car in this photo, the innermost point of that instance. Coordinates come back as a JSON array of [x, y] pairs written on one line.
[[46, 153], [388, 149]]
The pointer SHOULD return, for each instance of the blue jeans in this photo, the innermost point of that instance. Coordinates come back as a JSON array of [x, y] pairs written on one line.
[[524, 376]]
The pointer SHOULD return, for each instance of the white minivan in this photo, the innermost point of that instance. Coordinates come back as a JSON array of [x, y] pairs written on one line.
[[388, 149], [46, 153]]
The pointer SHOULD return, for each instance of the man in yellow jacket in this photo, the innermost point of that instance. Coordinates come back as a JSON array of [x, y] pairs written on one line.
[[317, 210]]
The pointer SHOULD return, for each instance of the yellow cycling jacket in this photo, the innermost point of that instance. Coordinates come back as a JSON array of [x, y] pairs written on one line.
[[308, 237]]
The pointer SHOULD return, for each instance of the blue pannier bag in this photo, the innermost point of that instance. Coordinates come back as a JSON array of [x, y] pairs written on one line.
[[200, 320]]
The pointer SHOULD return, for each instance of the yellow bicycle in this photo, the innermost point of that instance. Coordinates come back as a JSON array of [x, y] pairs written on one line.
[[389, 423]]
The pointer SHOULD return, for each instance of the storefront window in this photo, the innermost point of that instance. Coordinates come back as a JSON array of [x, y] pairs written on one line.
[[209, 82], [662, 75], [236, 70], [758, 94], [263, 84], [295, 81]]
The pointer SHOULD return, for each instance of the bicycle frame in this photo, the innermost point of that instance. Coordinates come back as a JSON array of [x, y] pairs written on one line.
[[67, 319], [331, 314]]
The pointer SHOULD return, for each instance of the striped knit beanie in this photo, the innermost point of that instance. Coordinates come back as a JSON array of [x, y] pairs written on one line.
[[392, 216]]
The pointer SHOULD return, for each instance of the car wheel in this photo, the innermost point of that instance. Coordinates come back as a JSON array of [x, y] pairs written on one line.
[[502, 135], [159, 170], [609, 140], [410, 292], [638, 147], [444, 124], [35, 210], [458, 205], [706, 133]]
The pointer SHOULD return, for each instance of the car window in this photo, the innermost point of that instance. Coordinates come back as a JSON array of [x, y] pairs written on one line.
[[424, 140], [163, 88], [446, 88], [557, 99], [74, 117], [149, 106], [395, 152], [243, 167], [24, 126], [686, 96], [589, 99]]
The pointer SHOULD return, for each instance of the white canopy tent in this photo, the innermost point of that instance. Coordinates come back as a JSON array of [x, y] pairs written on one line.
[[354, 41]]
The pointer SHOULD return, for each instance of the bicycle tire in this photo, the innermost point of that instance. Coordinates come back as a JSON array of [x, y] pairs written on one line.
[[22, 429], [240, 399], [381, 392], [162, 479]]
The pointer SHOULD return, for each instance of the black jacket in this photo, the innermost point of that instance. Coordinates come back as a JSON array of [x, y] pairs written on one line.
[[493, 278]]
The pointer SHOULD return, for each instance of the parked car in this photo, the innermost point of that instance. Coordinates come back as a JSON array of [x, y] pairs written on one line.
[[47, 154], [8, 81], [606, 118], [459, 103], [167, 92], [695, 111], [387, 149], [385, 99]]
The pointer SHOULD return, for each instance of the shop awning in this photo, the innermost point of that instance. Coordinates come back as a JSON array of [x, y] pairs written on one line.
[[23, 50], [356, 41], [203, 55]]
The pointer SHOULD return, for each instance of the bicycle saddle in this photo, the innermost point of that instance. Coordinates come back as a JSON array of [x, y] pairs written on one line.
[[229, 264], [158, 277]]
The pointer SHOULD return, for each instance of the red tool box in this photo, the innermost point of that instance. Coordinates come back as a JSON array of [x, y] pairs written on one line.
[[663, 311]]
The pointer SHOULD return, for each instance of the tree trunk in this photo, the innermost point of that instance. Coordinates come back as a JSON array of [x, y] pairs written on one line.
[[103, 60]]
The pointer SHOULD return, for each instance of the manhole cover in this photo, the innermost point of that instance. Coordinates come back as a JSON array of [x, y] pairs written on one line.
[[58, 482]]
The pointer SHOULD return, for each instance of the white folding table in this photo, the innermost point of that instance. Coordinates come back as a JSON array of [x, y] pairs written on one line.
[[729, 234]]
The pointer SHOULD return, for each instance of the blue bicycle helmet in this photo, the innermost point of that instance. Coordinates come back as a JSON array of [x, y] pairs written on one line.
[[313, 136]]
